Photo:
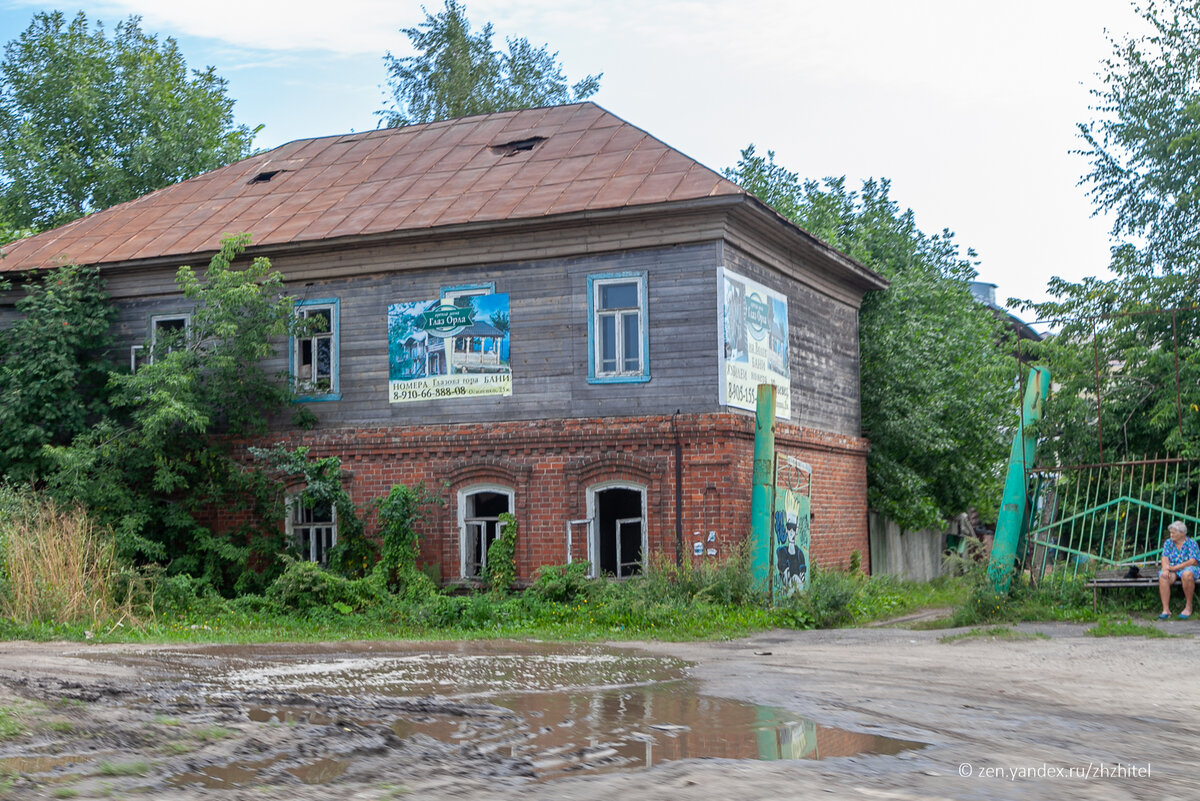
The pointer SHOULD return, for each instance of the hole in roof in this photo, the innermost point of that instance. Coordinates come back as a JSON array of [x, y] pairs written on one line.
[[265, 176], [519, 146]]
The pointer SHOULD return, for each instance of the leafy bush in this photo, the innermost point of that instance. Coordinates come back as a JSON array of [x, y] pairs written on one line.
[[829, 596], [1057, 596], [399, 512], [501, 557], [562, 584], [725, 582], [305, 586]]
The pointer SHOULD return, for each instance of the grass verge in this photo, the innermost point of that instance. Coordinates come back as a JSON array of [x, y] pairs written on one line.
[[993, 633], [1126, 628]]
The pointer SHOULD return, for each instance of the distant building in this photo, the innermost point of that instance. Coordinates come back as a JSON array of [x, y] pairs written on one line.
[[547, 312], [985, 293]]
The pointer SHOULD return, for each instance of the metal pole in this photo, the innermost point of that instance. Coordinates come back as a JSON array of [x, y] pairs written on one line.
[[762, 499], [1014, 503]]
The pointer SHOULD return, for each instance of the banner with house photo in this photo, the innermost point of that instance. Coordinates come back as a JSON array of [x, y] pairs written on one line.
[[438, 349], [754, 343]]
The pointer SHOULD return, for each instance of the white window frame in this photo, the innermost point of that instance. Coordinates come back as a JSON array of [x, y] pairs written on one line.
[[305, 388], [467, 526], [597, 374], [450, 294], [297, 527], [157, 319], [593, 514]]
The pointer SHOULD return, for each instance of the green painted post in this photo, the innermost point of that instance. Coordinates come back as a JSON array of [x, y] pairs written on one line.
[[1014, 503], [762, 501]]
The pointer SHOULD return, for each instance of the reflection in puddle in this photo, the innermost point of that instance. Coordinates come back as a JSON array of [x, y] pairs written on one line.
[[321, 771], [52, 767], [223, 777], [561, 733]]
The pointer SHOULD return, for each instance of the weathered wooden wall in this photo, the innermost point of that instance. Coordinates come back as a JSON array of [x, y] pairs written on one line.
[[549, 336]]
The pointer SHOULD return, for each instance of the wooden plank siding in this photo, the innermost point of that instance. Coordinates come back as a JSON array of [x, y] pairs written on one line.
[[549, 340], [822, 349]]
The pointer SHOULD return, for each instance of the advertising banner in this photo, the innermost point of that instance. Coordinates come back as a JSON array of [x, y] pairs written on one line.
[[438, 349], [754, 343]]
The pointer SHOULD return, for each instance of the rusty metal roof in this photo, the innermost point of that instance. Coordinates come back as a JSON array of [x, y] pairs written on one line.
[[510, 165]]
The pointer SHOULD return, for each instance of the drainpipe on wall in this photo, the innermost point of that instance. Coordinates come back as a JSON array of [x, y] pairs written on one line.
[[678, 491]]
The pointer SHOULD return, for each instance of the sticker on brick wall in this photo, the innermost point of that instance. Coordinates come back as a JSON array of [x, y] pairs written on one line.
[[754, 343], [439, 350]]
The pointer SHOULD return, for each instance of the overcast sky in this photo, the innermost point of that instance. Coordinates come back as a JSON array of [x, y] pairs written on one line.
[[969, 107]]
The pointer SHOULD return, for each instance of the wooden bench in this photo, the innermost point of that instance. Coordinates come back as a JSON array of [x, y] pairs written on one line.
[[1119, 577]]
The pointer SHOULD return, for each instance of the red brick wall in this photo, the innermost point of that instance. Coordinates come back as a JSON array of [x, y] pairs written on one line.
[[550, 464]]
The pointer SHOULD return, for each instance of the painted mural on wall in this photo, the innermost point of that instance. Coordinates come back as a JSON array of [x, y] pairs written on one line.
[[438, 349], [754, 343], [793, 497]]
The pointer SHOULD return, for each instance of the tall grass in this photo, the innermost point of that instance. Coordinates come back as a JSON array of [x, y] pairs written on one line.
[[55, 564]]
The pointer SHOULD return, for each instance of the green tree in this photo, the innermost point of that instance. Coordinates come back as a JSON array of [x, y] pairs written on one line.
[[937, 399], [1126, 363], [1144, 146], [161, 464], [88, 121], [52, 374], [1119, 366], [456, 73]]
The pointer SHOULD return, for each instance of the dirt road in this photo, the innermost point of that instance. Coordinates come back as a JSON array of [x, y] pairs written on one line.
[[1068, 717]]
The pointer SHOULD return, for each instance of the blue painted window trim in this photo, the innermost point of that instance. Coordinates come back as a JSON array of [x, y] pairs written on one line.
[[644, 317], [490, 286], [335, 359]]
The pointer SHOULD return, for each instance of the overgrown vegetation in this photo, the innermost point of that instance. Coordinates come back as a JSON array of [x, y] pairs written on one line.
[[396, 599], [52, 374], [57, 564], [1126, 628], [501, 557], [993, 633]]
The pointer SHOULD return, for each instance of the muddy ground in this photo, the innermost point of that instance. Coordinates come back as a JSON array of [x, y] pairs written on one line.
[[1066, 717]]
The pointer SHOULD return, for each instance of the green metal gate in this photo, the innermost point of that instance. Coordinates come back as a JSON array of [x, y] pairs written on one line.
[[1092, 517]]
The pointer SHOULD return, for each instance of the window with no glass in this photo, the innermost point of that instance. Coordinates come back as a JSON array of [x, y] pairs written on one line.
[[479, 512], [312, 529], [617, 328], [314, 357], [168, 332]]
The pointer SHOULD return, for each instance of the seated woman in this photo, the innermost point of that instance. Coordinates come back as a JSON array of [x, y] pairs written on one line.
[[1180, 558]]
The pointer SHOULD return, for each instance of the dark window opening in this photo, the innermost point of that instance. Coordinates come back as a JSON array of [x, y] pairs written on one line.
[[519, 146], [619, 532], [481, 527]]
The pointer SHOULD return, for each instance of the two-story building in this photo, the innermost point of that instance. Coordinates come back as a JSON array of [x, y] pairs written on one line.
[[547, 312]]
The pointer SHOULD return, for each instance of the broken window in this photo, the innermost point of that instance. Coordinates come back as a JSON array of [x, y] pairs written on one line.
[[479, 519], [315, 350], [619, 531], [168, 332], [312, 528]]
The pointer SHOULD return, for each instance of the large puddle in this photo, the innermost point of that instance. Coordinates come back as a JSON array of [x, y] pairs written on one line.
[[564, 709]]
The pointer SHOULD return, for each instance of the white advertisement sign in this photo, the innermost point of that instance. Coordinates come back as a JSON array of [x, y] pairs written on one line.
[[754, 343]]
